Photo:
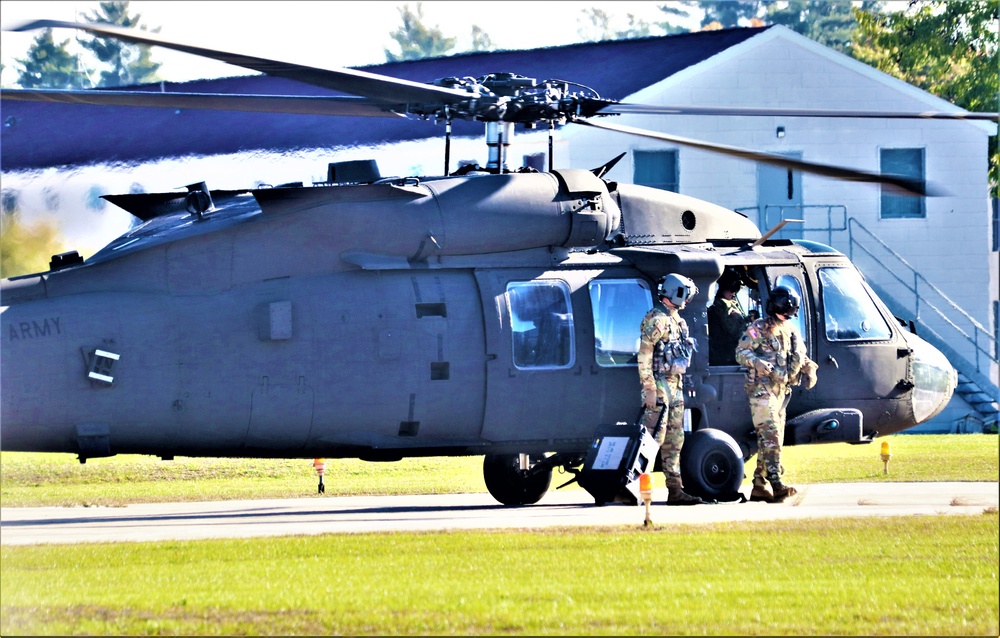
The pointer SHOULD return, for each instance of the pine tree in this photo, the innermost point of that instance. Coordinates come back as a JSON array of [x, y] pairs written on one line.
[[50, 66], [130, 63]]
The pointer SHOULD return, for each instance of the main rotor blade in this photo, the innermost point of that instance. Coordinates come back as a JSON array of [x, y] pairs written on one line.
[[370, 85], [910, 186], [294, 104], [652, 109]]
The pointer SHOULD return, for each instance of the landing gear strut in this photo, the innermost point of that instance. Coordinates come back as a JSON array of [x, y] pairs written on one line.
[[522, 479]]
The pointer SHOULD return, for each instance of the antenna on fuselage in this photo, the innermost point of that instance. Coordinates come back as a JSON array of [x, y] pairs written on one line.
[[775, 229]]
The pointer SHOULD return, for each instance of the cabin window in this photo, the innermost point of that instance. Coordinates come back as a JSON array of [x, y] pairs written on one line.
[[658, 169], [792, 283], [849, 311], [908, 162], [541, 321], [618, 307]]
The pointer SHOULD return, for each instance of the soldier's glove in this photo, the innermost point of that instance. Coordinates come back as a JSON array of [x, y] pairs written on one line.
[[763, 367], [809, 369], [649, 396]]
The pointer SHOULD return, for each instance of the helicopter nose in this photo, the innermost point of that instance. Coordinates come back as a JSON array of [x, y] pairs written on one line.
[[934, 379]]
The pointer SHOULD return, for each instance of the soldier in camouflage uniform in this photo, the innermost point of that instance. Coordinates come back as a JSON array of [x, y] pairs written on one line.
[[772, 351], [665, 349]]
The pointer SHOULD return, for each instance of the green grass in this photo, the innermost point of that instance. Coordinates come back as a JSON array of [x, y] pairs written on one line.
[[868, 576], [28, 479], [865, 576]]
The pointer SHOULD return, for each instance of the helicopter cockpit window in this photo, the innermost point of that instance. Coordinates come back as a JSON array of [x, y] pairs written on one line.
[[800, 319], [849, 311], [541, 320], [618, 307]]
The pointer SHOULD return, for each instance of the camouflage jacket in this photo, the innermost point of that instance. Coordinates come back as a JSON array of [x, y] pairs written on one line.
[[773, 354], [665, 346]]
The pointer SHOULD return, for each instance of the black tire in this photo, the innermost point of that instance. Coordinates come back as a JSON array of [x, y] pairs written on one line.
[[712, 465], [511, 486]]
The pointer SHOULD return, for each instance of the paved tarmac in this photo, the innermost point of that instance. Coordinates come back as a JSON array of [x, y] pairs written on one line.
[[571, 508]]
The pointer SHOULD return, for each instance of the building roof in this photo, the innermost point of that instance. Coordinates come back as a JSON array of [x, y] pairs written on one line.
[[37, 135]]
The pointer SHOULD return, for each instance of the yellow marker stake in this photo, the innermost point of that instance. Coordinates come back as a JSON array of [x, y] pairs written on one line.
[[886, 455], [646, 491]]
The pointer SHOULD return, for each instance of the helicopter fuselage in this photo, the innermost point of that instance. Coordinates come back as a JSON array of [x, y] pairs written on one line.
[[476, 315]]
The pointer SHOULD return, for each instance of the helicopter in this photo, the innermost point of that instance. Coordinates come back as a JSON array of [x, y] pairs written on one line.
[[486, 311]]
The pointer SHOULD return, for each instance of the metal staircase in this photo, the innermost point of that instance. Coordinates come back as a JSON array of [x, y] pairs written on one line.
[[937, 319]]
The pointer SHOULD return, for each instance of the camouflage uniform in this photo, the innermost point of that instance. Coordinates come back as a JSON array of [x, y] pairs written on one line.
[[774, 356], [663, 344]]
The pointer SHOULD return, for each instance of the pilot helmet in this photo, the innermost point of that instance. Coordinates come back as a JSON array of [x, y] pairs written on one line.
[[730, 281], [783, 300], [676, 288]]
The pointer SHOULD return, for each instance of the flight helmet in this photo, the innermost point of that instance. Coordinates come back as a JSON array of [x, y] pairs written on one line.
[[676, 288], [783, 300], [730, 281]]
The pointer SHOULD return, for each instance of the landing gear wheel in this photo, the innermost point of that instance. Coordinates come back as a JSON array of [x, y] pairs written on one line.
[[712, 465], [511, 485]]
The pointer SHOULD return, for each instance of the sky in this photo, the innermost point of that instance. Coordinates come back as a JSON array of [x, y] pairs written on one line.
[[341, 33]]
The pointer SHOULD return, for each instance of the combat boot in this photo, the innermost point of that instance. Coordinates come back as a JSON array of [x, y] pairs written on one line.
[[782, 491], [677, 496], [761, 492]]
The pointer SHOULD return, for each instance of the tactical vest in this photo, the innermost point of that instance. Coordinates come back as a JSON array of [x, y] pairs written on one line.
[[672, 356]]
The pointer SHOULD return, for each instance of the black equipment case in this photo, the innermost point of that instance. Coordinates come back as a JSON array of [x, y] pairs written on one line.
[[616, 458]]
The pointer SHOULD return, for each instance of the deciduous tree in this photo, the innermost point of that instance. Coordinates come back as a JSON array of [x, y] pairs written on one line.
[[25, 248], [417, 40], [948, 48]]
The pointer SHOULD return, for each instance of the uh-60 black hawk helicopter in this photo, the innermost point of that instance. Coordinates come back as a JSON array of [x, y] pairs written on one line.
[[489, 313]]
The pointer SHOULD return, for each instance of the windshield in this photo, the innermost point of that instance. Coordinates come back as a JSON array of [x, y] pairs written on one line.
[[849, 311]]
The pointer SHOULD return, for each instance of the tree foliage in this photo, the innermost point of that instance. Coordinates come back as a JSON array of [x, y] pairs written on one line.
[[829, 22], [726, 13], [25, 248], [595, 25], [416, 40], [481, 40], [948, 48], [129, 63], [48, 65]]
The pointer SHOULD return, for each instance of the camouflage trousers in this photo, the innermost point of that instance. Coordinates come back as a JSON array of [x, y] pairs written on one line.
[[670, 435], [768, 413]]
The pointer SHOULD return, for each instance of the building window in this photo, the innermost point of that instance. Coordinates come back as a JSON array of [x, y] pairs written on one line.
[[541, 322], [618, 306], [658, 169], [906, 162]]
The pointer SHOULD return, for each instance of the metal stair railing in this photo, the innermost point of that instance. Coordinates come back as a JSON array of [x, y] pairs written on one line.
[[774, 213], [924, 294]]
